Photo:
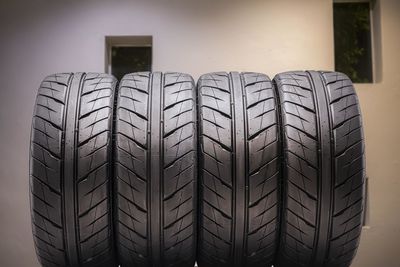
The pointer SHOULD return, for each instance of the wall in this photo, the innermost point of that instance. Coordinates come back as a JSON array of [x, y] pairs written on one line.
[[380, 105], [39, 37]]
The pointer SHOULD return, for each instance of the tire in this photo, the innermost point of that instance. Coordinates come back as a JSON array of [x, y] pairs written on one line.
[[70, 172], [156, 170], [323, 171], [239, 170]]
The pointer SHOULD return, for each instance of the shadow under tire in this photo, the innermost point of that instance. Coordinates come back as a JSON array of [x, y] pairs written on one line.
[[70, 170], [324, 169], [239, 170], [156, 169]]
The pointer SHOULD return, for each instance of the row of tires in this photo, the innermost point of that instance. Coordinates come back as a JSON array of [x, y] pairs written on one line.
[[235, 171]]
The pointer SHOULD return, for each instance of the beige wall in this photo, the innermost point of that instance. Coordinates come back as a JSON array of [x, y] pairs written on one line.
[[380, 103], [40, 37]]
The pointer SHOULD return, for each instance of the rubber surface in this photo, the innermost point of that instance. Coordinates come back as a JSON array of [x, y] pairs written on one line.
[[324, 169], [70, 171], [156, 170], [239, 170]]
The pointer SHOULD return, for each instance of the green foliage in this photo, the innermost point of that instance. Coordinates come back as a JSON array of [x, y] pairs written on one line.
[[128, 59], [353, 40]]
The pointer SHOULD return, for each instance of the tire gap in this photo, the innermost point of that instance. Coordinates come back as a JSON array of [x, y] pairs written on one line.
[[62, 180], [332, 160], [113, 181], [282, 190], [148, 168], [162, 222], [197, 164]]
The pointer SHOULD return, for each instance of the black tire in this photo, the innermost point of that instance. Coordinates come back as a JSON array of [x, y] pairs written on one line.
[[156, 170], [324, 169], [70, 173], [239, 170]]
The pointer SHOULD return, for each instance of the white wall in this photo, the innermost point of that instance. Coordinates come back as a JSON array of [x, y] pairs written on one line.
[[40, 37]]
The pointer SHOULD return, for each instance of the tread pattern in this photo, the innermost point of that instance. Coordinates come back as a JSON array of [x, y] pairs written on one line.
[[302, 177], [217, 172], [93, 171], [179, 170]]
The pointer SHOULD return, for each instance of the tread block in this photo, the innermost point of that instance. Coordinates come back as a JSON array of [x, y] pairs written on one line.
[[177, 141], [301, 120], [217, 217], [92, 146]]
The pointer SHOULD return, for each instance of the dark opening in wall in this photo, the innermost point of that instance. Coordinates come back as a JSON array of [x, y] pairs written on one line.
[[353, 45], [127, 54]]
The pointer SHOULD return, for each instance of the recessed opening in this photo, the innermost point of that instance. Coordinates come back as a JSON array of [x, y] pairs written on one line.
[[127, 54], [353, 40], [366, 221]]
